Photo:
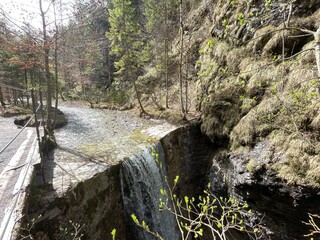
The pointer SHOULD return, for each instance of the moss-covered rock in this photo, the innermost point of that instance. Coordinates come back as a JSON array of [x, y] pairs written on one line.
[[249, 93]]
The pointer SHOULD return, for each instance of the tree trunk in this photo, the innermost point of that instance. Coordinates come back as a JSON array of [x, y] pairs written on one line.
[[166, 52], [15, 99], [109, 67], [138, 98], [26, 83], [1, 98], [46, 66], [181, 61], [56, 67], [186, 82], [317, 49]]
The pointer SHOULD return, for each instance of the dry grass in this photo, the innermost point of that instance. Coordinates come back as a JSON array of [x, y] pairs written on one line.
[[314, 111], [315, 124], [243, 134], [257, 123], [300, 162], [298, 75], [261, 37], [307, 58], [288, 117], [234, 58]]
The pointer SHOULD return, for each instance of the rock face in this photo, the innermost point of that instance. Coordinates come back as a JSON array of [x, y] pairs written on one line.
[[189, 156], [95, 204], [255, 82], [282, 206], [259, 106]]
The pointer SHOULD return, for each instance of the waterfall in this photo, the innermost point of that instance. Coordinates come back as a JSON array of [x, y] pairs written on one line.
[[141, 182]]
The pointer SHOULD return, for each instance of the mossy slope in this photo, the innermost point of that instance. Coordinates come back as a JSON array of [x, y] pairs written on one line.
[[257, 83]]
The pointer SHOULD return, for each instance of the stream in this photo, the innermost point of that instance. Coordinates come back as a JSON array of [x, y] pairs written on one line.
[[94, 139], [103, 170]]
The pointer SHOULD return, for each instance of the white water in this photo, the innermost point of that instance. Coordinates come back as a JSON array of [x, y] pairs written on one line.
[[141, 184]]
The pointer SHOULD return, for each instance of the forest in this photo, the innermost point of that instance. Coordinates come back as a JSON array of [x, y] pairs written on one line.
[[117, 52], [246, 71]]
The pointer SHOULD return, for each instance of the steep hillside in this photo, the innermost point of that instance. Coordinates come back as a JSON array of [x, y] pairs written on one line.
[[257, 82]]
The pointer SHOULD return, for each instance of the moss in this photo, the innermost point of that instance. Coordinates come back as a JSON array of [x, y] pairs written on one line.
[[294, 171], [247, 104], [253, 167], [260, 79], [234, 57], [257, 123], [243, 134], [100, 151], [210, 126], [300, 161], [141, 137]]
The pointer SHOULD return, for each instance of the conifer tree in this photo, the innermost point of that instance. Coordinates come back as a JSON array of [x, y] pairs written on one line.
[[126, 44], [160, 16]]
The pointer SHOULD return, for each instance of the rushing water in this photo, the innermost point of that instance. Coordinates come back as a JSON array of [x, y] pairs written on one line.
[[141, 184]]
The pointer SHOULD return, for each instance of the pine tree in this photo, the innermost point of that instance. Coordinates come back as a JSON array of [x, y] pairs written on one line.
[[160, 16], [126, 43]]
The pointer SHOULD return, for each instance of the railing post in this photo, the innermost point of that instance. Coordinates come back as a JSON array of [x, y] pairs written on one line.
[[38, 134]]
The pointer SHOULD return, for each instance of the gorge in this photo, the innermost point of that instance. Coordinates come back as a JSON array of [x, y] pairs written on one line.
[[105, 199], [217, 92]]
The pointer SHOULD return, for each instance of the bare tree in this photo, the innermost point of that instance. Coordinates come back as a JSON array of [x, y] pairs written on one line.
[[46, 49]]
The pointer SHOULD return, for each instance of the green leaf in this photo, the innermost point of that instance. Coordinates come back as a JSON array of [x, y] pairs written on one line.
[[135, 219], [186, 199], [205, 208], [163, 192], [219, 225], [176, 179]]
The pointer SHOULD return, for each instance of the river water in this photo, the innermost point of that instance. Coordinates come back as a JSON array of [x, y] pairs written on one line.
[[95, 139]]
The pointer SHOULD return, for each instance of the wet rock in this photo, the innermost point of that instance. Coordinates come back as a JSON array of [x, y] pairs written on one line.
[[21, 121], [283, 206]]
